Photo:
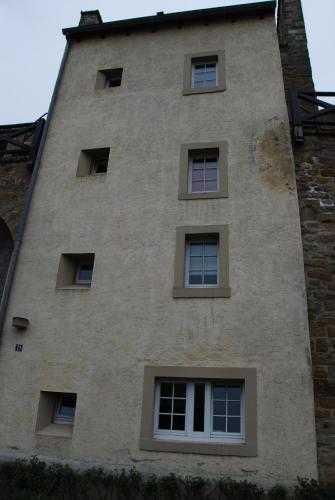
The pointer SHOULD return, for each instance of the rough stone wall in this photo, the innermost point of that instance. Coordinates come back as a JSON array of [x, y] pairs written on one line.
[[314, 160], [14, 181]]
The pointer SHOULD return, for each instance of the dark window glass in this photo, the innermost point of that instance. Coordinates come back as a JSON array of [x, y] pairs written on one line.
[[178, 423], [199, 407], [164, 422]]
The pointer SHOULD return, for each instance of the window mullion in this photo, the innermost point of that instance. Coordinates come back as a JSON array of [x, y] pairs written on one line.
[[208, 410], [189, 409]]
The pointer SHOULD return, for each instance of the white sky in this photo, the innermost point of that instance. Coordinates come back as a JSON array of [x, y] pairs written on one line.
[[32, 43]]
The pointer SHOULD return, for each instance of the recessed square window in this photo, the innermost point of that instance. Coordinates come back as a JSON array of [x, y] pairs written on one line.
[[56, 413], [204, 72], [203, 171], [199, 410], [201, 262], [75, 270], [108, 78], [93, 162]]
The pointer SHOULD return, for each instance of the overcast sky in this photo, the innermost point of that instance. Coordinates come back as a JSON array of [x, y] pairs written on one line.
[[32, 43]]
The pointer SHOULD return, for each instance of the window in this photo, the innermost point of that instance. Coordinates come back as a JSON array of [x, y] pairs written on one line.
[[93, 162], [204, 72], [201, 262], [199, 410], [56, 414], [203, 171], [84, 273], [65, 409], [107, 78], [75, 270]]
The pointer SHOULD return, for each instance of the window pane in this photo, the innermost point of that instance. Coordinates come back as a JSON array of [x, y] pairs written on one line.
[[164, 422], [67, 406], [179, 406], [195, 279], [211, 249], [211, 174], [211, 65], [198, 163], [198, 85], [234, 393], [85, 272], [196, 263], [219, 424], [198, 175], [196, 249], [166, 389], [198, 67], [199, 407], [197, 186], [210, 264], [180, 390], [178, 423], [234, 425], [219, 392], [165, 405], [210, 162], [234, 408], [210, 279], [219, 408], [211, 186]]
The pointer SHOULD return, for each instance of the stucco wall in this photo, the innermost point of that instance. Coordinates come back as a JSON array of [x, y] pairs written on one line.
[[96, 342]]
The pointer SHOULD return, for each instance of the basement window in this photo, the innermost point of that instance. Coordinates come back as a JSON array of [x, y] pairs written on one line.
[[56, 414]]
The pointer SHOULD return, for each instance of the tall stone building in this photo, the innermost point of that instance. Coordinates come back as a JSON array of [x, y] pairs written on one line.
[[159, 295], [313, 136]]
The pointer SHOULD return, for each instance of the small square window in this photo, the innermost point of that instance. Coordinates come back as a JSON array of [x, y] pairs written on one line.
[[203, 410], [93, 162], [203, 171], [201, 262], [108, 78], [65, 409], [56, 414], [204, 72], [75, 271]]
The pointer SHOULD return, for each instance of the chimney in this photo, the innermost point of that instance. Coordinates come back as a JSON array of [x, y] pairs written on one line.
[[90, 17]]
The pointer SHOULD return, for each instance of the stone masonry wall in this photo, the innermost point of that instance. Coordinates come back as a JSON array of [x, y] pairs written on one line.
[[15, 174], [314, 161]]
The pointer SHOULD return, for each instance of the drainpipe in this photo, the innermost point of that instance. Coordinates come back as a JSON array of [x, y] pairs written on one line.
[[28, 197]]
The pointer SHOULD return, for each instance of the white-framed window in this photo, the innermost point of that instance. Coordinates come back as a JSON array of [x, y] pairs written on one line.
[[199, 410], [65, 409], [84, 272], [99, 166], [202, 263], [204, 74], [203, 172]]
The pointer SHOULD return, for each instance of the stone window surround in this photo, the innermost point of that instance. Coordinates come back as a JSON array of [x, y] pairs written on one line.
[[182, 233], [248, 375], [189, 59], [185, 150], [45, 425]]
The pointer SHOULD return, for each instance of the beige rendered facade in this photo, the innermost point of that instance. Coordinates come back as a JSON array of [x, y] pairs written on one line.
[[113, 340]]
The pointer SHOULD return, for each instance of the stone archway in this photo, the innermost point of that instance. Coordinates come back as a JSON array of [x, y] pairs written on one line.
[[6, 248]]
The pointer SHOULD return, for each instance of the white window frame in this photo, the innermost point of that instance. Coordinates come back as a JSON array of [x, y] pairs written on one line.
[[61, 419], [203, 154], [195, 63], [187, 262], [77, 280], [208, 435]]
